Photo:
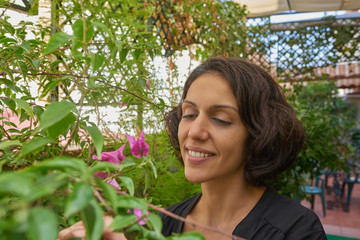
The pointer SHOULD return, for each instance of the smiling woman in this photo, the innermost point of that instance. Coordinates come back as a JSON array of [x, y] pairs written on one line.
[[211, 134], [235, 133]]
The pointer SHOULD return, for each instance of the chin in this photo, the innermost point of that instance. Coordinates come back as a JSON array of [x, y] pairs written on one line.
[[194, 177], [194, 180]]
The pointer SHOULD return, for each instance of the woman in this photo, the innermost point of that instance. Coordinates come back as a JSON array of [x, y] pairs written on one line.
[[236, 133]]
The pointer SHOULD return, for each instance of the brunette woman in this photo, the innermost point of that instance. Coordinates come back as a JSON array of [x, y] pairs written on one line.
[[236, 133]]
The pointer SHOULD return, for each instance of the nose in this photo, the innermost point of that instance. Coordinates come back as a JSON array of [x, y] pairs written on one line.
[[199, 129]]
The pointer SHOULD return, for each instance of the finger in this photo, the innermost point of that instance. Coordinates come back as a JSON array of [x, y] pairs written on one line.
[[114, 236], [107, 221], [108, 232], [75, 231]]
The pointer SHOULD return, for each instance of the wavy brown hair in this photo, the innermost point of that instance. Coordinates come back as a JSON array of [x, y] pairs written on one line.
[[275, 134]]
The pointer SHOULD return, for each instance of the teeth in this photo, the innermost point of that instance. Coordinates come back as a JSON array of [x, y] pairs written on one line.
[[199, 154]]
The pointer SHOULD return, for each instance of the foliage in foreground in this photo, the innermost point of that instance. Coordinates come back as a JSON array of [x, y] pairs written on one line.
[[49, 170], [105, 60]]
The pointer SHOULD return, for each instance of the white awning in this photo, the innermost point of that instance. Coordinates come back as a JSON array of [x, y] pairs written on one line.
[[260, 8]]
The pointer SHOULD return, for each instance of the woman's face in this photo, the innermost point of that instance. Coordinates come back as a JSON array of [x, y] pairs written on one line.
[[211, 134]]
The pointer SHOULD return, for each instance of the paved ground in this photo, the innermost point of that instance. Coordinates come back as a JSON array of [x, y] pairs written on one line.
[[337, 221]]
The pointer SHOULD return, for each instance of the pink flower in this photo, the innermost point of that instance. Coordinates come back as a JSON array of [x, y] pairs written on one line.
[[139, 215], [122, 105], [105, 175], [138, 147], [149, 84], [115, 157]]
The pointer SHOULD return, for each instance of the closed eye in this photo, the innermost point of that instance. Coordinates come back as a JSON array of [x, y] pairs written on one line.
[[221, 122], [189, 116]]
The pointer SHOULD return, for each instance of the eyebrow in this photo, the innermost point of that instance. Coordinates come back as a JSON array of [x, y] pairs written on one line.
[[213, 106]]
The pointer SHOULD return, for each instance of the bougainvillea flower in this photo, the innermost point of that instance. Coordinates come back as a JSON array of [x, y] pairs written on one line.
[[138, 147], [115, 157], [149, 84], [105, 175], [139, 215], [123, 104]]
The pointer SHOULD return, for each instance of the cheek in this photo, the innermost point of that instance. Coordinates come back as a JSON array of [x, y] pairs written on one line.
[[235, 144], [181, 133]]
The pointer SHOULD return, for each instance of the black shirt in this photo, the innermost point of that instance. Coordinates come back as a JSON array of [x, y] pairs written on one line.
[[273, 217]]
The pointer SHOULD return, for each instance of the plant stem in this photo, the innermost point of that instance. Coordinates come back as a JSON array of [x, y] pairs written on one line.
[[81, 103]]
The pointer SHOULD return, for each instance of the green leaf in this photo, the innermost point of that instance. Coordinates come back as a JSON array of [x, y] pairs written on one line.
[[63, 164], [9, 124], [148, 179], [15, 183], [36, 63], [78, 31], [38, 111], [78, 199], [128, 162], [97, 137], [55, 112], [151, 54], [153, 167], [8, 83], [56, 41], [155, 221], [24, 105], [7, 40], [50, 86], [42, 224], [129, 184], [104, 166], [108, 191], [131, 202], [61, 126], [35, 144], [97, 61], [137, 53], [10, 103], [46, 185], [92, 216], [9, 143], [9, 28], [122, 221], [26, 46], [23, 68], [188, 236], [91, 82], [105, 28], [123, 54]]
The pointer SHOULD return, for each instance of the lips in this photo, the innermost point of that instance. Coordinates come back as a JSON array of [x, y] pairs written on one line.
[[198, 155]]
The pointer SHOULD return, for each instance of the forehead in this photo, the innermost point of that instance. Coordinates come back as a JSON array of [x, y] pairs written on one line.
[[211, 88]]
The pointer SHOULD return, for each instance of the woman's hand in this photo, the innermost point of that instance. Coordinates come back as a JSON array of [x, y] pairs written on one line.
[[78, 231]]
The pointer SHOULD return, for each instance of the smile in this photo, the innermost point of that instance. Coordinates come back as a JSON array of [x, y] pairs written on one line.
[[199, 154]]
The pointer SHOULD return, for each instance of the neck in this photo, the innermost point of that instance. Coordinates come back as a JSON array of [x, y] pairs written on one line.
[[222, 200]]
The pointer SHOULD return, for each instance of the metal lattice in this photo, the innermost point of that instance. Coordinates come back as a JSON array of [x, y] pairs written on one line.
[[290, 51], [172, 25], [310, 50], [304, 46]]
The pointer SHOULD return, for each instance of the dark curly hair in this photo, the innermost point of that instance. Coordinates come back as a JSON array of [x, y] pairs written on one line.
[[275, 134]]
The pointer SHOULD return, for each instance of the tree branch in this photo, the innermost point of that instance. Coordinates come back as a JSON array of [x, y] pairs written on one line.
[[86, 77], [170, 214], [127, 91]]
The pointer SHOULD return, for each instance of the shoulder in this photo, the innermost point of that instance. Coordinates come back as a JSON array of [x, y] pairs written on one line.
[[172, 225], [183, 206], [290, 218]]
